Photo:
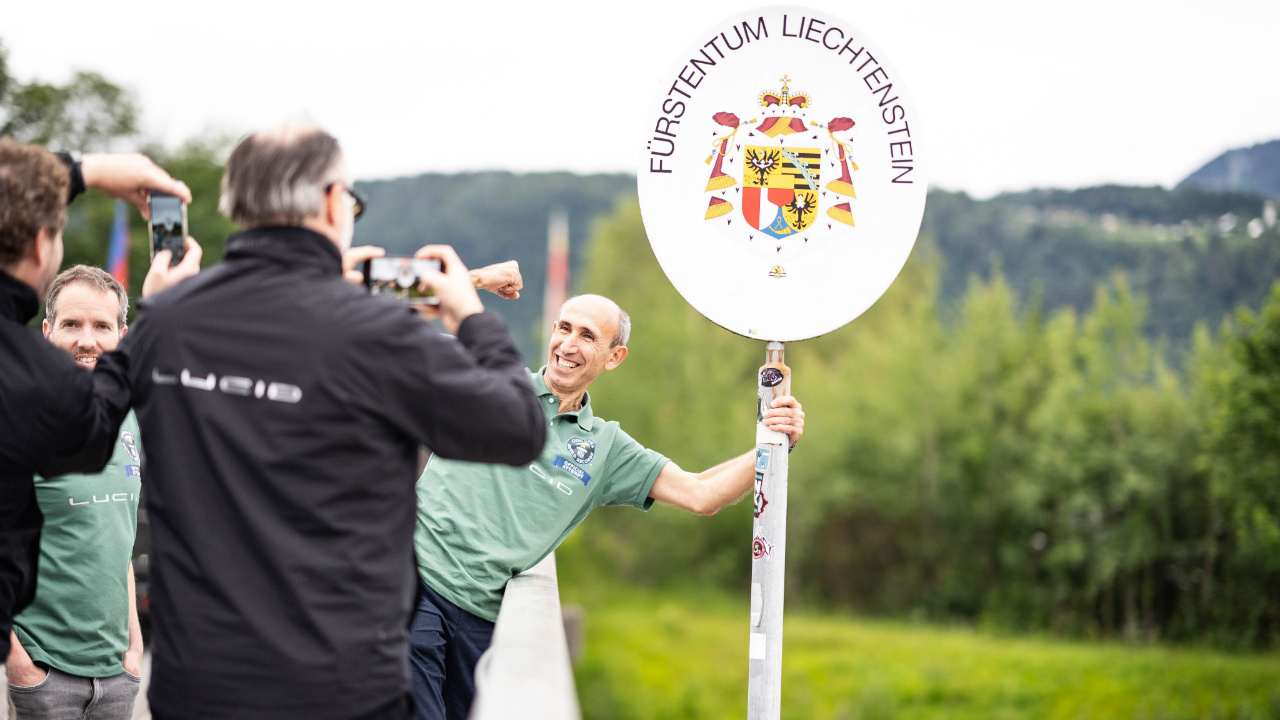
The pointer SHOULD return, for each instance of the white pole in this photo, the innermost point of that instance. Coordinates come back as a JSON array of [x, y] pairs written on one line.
[[768, 547]]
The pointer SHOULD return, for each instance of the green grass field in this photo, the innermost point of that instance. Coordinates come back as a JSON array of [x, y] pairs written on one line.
[[683, 655]]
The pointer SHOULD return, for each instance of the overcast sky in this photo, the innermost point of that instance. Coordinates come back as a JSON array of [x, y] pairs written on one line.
[[1012, 94]]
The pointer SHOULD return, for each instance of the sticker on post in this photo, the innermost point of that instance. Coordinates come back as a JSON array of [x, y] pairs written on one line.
[[762, 459], [770, 377], [761, 501], [755, 650], [760, 547]]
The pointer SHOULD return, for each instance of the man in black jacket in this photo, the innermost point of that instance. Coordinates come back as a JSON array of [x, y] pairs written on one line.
[[282, 410], [51, 421]]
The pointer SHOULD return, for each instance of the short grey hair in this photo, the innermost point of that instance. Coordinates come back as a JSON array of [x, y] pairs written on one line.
[[624, 329], [280, 175], [96, 278], [623, 333]]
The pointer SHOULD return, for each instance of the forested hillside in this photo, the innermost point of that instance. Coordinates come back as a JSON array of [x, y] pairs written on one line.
[[1195, 255]]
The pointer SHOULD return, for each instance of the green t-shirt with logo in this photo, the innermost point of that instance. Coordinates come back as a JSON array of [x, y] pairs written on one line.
[[79, 620], [479, 525]]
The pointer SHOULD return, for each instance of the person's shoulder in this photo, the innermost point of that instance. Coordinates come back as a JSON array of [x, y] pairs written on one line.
[[185, 290], [612, 430]]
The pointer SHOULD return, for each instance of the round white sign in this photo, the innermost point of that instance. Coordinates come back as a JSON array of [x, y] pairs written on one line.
[[782, 183]]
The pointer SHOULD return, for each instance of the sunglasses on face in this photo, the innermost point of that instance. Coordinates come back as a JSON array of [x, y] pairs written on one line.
[[361, 202]]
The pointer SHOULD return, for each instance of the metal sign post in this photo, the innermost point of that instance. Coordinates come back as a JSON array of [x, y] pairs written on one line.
[[782, 182], [768, 545]]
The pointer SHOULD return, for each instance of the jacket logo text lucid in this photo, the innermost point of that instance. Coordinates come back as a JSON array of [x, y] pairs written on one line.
[[232, 385]]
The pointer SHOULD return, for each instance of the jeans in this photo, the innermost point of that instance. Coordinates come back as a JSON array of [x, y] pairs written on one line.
[[4, 691], [445, 642], [60, 696]]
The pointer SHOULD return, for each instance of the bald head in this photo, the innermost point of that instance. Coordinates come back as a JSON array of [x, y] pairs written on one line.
[[279, 175], [603, 307]]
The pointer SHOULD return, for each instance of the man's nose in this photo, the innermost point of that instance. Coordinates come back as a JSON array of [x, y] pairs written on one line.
[[86, 339]]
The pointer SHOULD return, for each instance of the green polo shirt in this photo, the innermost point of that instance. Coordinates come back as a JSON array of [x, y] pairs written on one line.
[[480, 525], [79, 620]]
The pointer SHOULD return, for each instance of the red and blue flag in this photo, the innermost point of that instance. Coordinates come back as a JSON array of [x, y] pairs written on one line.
[[118, 251]]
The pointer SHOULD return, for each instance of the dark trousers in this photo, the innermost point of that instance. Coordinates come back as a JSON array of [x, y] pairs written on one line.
[[396, 710], [445, 642]]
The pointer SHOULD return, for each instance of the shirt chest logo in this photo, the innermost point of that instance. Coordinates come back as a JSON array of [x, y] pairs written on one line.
[[107, 498], [582, 451], [130, 444], [572, 469]]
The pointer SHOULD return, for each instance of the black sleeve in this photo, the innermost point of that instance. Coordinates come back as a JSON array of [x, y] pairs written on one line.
[[89, 423], [465, 399], [77, 177]]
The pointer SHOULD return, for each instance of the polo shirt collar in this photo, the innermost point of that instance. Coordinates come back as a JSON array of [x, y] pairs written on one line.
[[582, 415]]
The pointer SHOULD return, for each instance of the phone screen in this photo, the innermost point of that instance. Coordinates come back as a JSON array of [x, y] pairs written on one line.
[[398, 276], [168, 225]]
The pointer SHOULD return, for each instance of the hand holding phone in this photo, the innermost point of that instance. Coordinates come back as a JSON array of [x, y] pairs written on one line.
[[400, 277], [168, 225], [453, 285]]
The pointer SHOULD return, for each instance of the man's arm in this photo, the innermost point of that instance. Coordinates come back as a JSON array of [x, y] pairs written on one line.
[[465, 399], [133, 656], [124, 176], [502, 279], [130, 177], [708, 491]]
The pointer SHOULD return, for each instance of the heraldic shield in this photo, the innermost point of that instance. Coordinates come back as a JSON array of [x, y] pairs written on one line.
[[780, 188], [780, 191]]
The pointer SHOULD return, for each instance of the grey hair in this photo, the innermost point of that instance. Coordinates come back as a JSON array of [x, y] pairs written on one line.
[[280, 175], [624, 329], [623, 333], [96, 278]]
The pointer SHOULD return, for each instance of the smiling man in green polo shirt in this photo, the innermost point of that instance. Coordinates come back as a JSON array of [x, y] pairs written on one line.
[[480, 525], [76, 651]]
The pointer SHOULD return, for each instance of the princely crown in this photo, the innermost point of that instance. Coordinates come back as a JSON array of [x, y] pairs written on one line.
[[784, 99]]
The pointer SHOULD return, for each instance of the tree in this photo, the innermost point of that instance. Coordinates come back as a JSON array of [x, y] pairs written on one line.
[[87, 114], [1246, 471]]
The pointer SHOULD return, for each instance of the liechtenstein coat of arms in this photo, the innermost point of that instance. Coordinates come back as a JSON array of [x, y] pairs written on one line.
[[774, 166]]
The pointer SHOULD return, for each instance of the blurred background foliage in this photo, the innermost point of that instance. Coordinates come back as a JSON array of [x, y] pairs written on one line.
[[1011, 467]]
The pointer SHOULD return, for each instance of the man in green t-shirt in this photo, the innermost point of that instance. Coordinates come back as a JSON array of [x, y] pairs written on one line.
[[480, 525], [76, 651]]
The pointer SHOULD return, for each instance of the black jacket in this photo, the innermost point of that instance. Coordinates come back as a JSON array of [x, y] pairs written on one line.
[[50, 423], [281, 410]]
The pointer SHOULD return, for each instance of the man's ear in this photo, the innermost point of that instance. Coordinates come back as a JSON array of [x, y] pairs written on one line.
[[44, 327], [334, 205], [42, 248], [123, 330], [616, 356]]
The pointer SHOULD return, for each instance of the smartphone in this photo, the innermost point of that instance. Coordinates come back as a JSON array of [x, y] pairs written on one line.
[[398, 277], [168, 225]]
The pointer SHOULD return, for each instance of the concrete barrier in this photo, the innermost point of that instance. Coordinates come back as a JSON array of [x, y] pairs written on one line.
[[526, 672]]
